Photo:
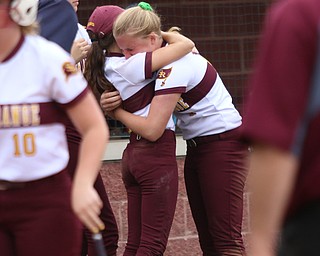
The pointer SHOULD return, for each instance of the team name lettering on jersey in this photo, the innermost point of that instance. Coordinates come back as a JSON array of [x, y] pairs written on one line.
[[181, 105], [19, 115]]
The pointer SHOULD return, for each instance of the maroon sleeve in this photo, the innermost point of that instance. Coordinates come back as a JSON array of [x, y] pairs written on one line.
[[278, 88], [148, 66]]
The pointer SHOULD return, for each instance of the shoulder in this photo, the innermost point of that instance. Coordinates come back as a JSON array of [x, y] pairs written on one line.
[[46, 49], [294, 13], [294, 21], [190, 62], [42, 44], [119, 63], [47, 55], [114, 62]]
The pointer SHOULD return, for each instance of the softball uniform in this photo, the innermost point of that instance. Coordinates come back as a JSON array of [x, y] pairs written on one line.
[[149, 169], [214, 166], [34, 150]]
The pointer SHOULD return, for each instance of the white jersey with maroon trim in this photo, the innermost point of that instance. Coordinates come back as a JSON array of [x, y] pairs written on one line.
[[134, 80], [205, 106], [38, 80]]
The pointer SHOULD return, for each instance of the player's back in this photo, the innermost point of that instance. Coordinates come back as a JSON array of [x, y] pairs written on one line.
[[33, 143], [205, 106]]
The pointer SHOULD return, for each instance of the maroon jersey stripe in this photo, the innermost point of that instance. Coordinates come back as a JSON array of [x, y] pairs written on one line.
[[31, 114], [202, 89], [140, 99]]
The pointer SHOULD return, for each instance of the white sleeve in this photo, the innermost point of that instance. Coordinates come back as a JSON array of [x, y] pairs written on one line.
[[67, 82], [135, 69], [174, 76], [82, 33]]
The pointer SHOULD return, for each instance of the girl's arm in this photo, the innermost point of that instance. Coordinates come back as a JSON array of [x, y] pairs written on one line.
[[110, 101], [79, 50], [90, 122], [178, 46], [152, 126], [272, 175]]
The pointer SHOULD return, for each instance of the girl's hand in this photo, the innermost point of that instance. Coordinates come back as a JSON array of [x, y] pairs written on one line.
[[87, 205], [79, 50], [109, 101]]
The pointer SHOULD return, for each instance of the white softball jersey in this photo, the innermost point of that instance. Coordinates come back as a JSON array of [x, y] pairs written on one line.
[[135, 81], [38, 81], [82, 34], [205, 106]]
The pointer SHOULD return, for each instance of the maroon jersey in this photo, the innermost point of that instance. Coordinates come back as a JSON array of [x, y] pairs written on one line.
[[283, 105]]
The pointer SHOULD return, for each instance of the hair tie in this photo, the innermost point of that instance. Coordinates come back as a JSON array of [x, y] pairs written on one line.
[[145, 6]]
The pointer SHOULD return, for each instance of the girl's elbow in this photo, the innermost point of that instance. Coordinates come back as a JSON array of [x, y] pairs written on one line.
[[154, 138], [192, 45], [154, 135]]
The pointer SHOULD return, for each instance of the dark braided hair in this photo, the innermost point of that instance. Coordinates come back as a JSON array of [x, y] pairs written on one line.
[[95, 62]]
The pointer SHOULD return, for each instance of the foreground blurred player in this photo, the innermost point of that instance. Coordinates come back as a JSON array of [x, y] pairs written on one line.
[[37, 203], [284, 175]]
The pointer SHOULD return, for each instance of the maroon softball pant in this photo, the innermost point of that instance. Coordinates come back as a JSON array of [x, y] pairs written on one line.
[[110, 234], [36, 219], [150, 175], [215, 176]]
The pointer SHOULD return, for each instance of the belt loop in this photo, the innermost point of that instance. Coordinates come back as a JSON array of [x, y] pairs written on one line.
[[192, 143]]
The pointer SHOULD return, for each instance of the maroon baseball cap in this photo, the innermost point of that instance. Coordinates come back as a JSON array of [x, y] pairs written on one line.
[[102, 19]]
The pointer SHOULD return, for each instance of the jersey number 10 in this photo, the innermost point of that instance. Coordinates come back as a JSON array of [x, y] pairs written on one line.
[[28, 144]]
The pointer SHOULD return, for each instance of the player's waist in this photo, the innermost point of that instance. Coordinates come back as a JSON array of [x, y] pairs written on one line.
[[11, 185], [197, 141], [167, 136]]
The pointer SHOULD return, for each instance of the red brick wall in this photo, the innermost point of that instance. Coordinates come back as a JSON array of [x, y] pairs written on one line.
[[183, 238]]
